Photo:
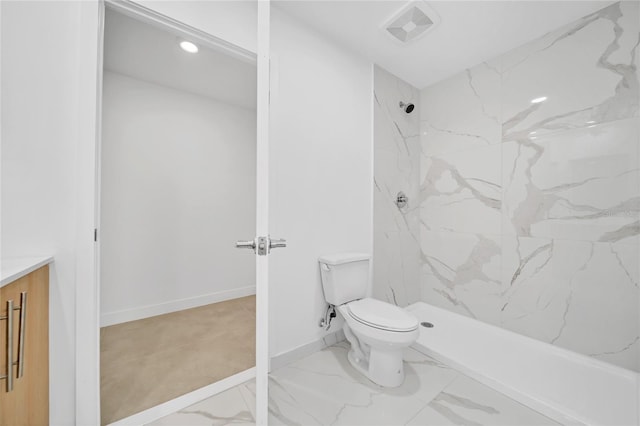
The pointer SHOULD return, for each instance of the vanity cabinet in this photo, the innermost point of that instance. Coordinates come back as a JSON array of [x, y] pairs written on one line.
[[24, 398]]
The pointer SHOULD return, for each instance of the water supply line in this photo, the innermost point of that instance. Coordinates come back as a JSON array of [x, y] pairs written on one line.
[[329, 315]]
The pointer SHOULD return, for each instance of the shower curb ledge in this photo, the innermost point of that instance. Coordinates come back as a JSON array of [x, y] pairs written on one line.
[[565, 386]]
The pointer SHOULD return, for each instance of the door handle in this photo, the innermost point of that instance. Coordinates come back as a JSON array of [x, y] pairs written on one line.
[[9, 358], [21, 339], [21, 336], [250, 244], [277, 243], [262, 245]]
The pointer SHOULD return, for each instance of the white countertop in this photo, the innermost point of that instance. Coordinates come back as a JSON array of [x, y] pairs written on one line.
[[12, 268]]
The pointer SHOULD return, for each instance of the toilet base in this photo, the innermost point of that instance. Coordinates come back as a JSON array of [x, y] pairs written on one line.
[[383, 368], [377, 354]]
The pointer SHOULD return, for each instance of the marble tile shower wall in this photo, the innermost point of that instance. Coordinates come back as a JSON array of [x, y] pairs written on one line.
[[396, 272], [530, 212]]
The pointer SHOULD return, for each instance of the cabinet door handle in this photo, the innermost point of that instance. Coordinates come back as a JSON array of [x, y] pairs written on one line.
[[9, 345], [23, 323]]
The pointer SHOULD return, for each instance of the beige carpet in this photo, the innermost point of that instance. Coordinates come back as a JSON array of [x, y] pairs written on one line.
[[150, 361]]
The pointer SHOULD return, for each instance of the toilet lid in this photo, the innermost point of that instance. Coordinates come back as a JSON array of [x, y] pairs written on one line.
[[382, 315]]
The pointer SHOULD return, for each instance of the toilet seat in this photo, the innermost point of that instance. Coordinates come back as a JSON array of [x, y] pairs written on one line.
[[384, 316]]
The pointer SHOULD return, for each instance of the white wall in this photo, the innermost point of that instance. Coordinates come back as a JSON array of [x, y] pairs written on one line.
[[178, 189], [320, 172], [49, 70], [232, 20], [43, 60]]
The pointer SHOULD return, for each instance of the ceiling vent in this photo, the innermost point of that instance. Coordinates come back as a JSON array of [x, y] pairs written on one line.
[[411, 22]]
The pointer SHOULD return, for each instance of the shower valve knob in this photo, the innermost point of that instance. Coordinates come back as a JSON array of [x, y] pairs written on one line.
[[402, 200]]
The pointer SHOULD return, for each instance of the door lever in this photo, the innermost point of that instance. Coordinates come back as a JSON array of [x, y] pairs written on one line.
[[277, 243], [251, 244], [261, 245]]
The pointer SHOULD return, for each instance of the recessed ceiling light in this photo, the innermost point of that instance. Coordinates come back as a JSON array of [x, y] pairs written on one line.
[[187, 46], [591, 121], [538, 100]]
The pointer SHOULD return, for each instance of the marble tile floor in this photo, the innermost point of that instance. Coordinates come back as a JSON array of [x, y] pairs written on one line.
[[323, 389], [150, 361], [234, 406]]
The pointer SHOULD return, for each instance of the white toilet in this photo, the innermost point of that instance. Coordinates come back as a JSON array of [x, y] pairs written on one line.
[[378, 331]]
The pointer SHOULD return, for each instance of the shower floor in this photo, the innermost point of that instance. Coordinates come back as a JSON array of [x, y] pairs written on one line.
[[323, 389], [147, 362]]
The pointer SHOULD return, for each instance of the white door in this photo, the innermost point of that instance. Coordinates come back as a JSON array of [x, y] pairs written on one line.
[[261, 243]]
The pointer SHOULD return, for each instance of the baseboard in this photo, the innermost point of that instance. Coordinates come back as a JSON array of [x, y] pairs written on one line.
[[159, 411], [300, 352], [118, 317]]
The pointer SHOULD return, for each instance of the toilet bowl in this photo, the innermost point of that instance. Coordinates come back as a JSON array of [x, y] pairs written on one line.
[[377, 331]]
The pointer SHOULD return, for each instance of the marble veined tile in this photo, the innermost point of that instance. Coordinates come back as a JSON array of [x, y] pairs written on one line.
[[396, 267], [462, 272], [530, 211], [583, 184], [397, 142], [583, 73], [462, 191], [580, 295], [467, 402], [396, 154], [462, 112], [396, 168], [389, 92], [323, 389], [234, 406], [387, 216]]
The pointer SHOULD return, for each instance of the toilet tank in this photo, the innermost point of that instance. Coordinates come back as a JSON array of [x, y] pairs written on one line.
[[345, 277]]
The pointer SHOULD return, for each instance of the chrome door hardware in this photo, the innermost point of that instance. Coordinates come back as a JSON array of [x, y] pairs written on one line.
[[262, 245], [251, 244], [277, 243]]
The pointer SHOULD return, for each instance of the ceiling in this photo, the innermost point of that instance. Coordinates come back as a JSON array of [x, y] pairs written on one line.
[[149, 53], [469, 32]]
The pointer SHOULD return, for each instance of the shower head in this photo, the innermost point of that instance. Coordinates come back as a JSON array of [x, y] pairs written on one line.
[[408, 108]]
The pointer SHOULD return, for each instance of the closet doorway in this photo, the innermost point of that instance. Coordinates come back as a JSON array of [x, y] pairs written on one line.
[[177, 189]]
